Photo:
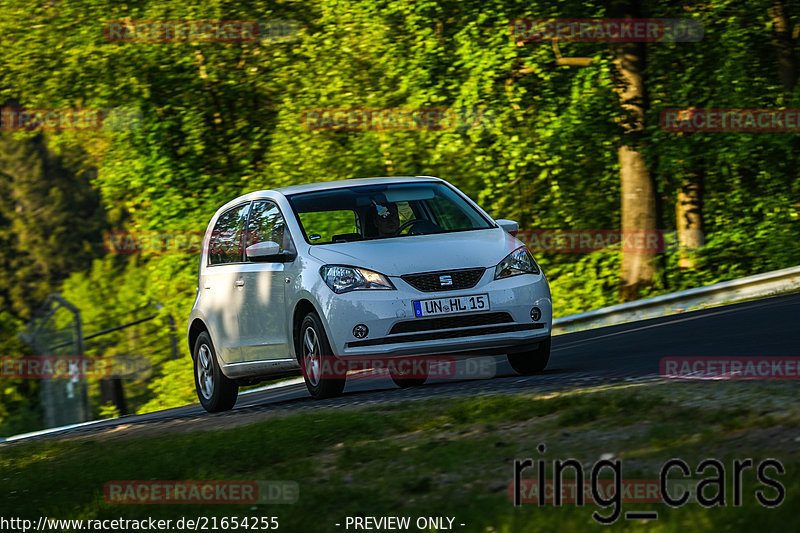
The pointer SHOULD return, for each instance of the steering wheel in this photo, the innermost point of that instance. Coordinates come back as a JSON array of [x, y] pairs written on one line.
[[408, 224]]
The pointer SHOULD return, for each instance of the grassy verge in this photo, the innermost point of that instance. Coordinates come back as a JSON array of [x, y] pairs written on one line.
[[439, 458]]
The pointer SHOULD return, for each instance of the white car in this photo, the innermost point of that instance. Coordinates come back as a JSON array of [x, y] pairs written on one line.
[[304, 277]]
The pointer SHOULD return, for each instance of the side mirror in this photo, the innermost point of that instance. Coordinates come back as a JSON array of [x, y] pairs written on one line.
[[268, 252], [510, 226]]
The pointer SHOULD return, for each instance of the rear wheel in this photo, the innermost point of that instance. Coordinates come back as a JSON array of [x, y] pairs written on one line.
[[214, 389], [414, 374], [532, 361], [323, 377]]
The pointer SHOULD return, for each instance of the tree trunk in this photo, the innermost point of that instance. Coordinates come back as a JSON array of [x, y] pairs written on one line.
[[638, 191], [689, 215], [784, 40], [638, 213], [784, 43]]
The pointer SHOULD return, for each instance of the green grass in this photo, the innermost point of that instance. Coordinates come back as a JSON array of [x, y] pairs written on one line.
[[441, 457]]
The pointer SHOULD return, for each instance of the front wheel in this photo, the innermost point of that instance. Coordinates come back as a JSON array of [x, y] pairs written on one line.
[[323, 376], [214, 389], [533, 361]]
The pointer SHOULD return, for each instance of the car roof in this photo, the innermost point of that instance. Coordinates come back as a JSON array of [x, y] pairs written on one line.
[[356, 182], [321, 186]]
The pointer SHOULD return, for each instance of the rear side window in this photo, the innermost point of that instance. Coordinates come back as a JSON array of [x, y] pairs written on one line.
[[226, 239], [267, 224]]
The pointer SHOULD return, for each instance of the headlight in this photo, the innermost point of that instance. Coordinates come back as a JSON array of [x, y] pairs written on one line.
[[520, 261], [345, 279]]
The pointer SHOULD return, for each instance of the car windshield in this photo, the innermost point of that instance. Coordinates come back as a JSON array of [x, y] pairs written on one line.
[[384, 211]]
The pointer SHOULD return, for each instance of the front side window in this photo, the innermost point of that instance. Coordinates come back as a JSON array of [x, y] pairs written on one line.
[[384, 211], [267, 224], [226, 239]]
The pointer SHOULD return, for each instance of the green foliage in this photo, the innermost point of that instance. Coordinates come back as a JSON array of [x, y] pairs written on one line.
[[19, 398], [109, 410], [173, 387], [41, 197]]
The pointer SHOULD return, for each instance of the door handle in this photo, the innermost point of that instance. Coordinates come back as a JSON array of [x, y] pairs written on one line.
[[239, 283]]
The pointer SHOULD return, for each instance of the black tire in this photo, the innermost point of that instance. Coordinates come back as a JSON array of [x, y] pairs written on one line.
[[323, 377], [533, 361], [420, 375], [215, 390]]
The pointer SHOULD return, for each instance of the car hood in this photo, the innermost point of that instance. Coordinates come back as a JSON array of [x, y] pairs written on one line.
[[421, 253]]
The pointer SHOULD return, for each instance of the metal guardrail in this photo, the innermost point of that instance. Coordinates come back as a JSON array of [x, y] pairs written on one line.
[[757, 286]]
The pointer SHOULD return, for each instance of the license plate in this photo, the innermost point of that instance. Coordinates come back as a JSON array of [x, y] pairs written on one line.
[[451, 306]]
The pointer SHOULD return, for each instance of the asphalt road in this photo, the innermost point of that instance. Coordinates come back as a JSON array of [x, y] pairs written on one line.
[[761, 328]]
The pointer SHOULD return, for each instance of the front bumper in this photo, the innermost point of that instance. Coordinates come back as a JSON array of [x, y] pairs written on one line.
[[394, 330]]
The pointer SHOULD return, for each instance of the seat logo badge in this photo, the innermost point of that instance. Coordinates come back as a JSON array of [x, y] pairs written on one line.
[[444, 281]]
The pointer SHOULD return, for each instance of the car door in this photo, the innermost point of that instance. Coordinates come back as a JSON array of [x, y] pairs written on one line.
[[221, 279], [262, 316]]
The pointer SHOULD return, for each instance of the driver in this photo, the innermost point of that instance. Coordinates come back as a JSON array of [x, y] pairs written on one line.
[[385, 218]]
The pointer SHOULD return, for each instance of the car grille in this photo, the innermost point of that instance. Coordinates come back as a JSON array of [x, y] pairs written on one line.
[[441, 335], [430, 281], [450, 322]]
